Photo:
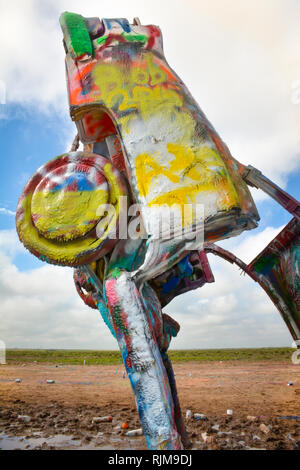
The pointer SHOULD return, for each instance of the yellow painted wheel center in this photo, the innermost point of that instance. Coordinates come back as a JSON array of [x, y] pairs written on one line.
[[62, 204], [65, 208]]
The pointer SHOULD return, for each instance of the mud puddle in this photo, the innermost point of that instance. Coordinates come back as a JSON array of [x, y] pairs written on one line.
[[61, 442]]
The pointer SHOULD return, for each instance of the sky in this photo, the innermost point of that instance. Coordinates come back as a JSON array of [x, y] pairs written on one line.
[[241, 62]]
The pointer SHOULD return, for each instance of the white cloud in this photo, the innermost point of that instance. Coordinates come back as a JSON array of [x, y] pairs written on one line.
[[41, 308], [5, 211], [33, 57], [248, 245], [9, 243], [239, 60], [233, 311]]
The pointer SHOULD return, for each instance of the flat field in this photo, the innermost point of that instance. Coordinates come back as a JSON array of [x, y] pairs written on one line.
[[250, 382], [69, 356]]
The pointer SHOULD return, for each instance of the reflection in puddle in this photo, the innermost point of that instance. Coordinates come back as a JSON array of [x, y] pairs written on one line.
[[59, 441]]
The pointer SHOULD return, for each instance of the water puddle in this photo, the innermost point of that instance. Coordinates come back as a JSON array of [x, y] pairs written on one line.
[[62, 441], [58, 441]]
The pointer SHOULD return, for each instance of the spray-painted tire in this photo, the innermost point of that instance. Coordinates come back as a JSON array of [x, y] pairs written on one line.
[[58, 212]]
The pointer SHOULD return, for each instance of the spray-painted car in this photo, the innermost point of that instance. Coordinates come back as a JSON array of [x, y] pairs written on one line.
[[148, 152]]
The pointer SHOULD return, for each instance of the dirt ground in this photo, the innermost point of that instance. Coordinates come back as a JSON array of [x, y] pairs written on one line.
[[264, 407]]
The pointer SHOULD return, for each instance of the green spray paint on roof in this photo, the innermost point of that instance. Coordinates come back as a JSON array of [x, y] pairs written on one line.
[[129, 37], [135, 37], [75, 27]]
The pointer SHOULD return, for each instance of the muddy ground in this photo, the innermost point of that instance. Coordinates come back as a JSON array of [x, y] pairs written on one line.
[[264, 406]]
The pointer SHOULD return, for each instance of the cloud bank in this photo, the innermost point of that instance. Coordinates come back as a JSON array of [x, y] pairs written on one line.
[[40, 308], [240, 61]]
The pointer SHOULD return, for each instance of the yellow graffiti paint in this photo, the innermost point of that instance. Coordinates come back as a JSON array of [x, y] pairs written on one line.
[[194, 194], [203, 165], [147, 168], [116, 191], [66, 214], [129, 90], [151, 100], [146, 94], [157, 75], [99, 268], [108, 77], [140, 76]]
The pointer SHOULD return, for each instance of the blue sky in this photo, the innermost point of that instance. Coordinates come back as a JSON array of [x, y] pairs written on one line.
[[29, 138], [241, 69]]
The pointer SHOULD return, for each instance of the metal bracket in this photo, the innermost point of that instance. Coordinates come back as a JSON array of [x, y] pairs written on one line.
[[253, 177]]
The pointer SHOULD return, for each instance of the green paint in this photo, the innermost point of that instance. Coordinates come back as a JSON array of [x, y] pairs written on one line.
[[135, 38], [118, 319], [115, 273], [101, 40], [265, 263], [129, 37], [74, 25]]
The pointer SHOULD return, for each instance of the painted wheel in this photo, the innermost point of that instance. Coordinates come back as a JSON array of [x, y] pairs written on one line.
[[61, 216]]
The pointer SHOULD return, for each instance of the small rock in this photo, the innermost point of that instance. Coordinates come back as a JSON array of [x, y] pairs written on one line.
[[265, 429], [215, 427], [24, 419], [200, 416], [207, 438], [229, 412], [134, 432], [102, 419], [188, 415], [50, 381], [251, 418], [290, 384], [18, 381], [255, 437]]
